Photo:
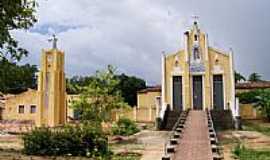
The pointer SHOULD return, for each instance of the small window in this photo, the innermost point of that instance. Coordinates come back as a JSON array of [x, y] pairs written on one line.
[[21, 109], [196, 37], [33, 108]]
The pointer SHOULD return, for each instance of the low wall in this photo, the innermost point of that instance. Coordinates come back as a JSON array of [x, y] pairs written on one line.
[[141, 114], [222, 119], [247, 111]]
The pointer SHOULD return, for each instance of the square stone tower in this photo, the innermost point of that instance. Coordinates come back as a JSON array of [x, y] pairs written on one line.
[[51, 89]]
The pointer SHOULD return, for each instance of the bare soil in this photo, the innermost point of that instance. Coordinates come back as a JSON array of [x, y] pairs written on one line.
[[250, 139]]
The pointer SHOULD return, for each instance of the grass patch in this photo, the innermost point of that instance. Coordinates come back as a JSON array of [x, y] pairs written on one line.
[[243, 153], [259, 127], [127, 156]]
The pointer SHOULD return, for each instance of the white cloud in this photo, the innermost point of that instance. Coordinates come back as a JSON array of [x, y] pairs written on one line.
[[130, 34]]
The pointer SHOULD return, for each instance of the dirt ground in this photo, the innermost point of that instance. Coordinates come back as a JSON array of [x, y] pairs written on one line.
[[250, 139], [148, 143]]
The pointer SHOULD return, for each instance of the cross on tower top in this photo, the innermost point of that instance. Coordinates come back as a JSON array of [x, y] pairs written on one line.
[[195, 19], [54, 41]]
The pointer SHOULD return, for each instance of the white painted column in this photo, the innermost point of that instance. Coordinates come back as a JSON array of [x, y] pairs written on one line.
[[237, 109], [163, 85], [163, 78], [233, 102]]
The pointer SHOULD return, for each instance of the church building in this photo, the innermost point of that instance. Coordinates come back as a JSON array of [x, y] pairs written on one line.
[[198, 77]]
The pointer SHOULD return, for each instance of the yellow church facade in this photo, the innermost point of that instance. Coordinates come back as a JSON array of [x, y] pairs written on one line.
[[198, 76]]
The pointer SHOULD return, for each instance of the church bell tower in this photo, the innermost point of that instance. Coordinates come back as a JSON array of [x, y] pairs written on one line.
[[51, 88]]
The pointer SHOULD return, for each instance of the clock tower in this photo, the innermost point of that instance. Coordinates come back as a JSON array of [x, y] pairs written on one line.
[[51, 88]]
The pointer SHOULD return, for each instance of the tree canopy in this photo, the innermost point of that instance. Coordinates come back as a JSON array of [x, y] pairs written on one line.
[[15, 78], [99, 98], [255, 77], [263, 102], [14, 15], [238, 77], [128, 86]]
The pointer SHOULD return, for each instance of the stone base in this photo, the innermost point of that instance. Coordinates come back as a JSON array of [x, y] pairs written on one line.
[[238, 123]]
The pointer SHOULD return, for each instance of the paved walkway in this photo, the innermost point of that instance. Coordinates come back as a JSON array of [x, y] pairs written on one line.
[[195, 144]]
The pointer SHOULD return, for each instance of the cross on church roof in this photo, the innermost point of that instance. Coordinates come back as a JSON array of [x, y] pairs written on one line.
[[195, 19], [54, 41]]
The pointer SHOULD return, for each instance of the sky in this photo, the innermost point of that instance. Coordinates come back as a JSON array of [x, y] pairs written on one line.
[[132, 34]]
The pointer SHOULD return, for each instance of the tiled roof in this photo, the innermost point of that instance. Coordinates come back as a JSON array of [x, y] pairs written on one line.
[[253, 85], [151, 89], [244, 85]]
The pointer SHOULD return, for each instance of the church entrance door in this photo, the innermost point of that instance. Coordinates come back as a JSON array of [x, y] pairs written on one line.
[[218, 92], [197, 93], [177, 93]]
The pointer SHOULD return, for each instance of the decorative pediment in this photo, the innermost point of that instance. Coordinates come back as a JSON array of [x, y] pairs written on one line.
[[197, 67], [177, 70], [217, 69]]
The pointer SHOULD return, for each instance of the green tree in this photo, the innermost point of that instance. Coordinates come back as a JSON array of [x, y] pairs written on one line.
[[238, 77], [129, 86], [248, 97], [100, 97], [263, 102], [15, 78], [75, 83], [14, 15], [255, 77]]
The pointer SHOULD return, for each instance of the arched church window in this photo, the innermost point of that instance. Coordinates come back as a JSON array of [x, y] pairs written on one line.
[[195, 37]]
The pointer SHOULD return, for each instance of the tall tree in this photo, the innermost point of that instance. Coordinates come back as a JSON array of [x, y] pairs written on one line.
[[15, 78], [14, 15], [255, 77], [263, 102], [238, 77], [99, 98], [129, 86]]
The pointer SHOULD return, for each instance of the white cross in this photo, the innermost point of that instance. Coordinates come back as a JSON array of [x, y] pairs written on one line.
[[195, 18], [54, 41]]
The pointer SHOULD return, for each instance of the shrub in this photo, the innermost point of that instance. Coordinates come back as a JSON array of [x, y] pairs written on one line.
[[82, 140], [124, 127], [248, 97], [242, 153]]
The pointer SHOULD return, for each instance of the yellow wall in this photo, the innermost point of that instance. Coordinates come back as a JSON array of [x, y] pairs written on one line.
[[12, 103], [147, 99], [211, 59], [27, 99], [247, 111]]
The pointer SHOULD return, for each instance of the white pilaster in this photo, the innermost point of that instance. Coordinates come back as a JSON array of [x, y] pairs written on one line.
[[233, 102], [186, 46], [163, 78], [206, 47]]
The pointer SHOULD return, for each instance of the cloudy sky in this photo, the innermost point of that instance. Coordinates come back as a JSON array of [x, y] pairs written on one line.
[[131, 34]]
